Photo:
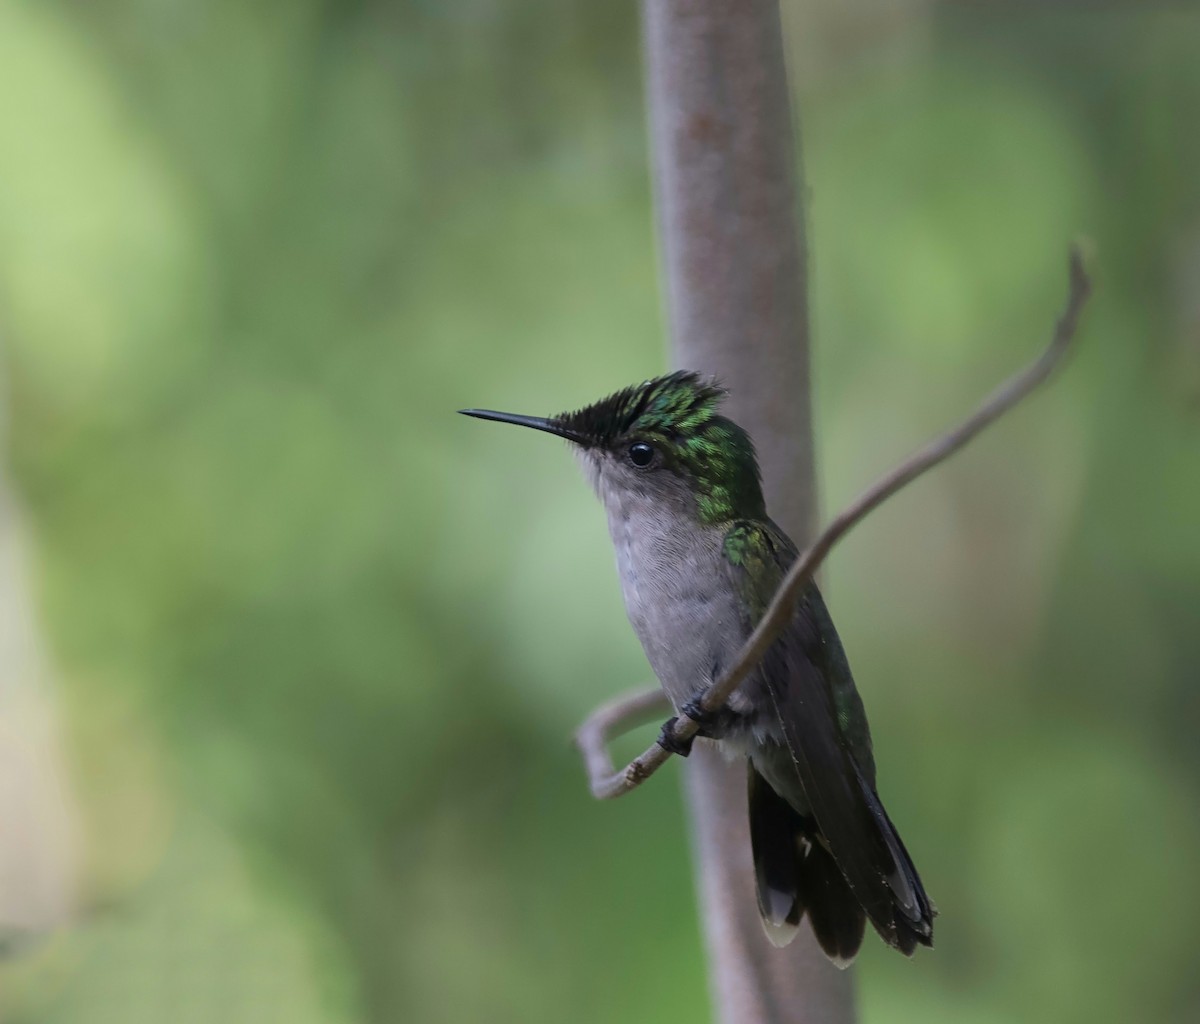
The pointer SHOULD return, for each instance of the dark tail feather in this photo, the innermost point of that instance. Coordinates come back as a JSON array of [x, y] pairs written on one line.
[[914, 911], [794, 874], [773, 830], [837, 919]]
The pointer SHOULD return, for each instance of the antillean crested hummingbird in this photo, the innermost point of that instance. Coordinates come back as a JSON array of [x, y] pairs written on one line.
[[699, 561]]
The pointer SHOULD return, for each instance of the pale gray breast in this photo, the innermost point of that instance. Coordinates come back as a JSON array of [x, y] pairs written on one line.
[[677, 594]]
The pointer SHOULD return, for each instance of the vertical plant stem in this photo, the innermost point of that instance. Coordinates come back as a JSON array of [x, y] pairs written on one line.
[[734, 268]]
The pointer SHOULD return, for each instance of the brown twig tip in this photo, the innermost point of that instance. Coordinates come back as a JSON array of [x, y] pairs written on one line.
[[620, 715]]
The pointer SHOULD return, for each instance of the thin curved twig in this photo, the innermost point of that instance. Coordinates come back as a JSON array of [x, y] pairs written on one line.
[[614, 718], [618, 716]]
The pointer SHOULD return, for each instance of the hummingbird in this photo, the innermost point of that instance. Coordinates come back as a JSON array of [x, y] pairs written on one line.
[[699, 560]]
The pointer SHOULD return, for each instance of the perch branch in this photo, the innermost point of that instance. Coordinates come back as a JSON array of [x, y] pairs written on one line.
[[620, 715], [615, 718]]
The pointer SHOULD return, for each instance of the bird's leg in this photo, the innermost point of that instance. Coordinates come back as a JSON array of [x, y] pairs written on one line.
[[712, 725]]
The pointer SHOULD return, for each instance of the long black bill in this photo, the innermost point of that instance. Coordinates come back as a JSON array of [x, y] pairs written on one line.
[[537, 422]]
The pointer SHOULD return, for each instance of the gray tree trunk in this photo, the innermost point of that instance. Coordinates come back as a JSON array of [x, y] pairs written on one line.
[[734, 264]]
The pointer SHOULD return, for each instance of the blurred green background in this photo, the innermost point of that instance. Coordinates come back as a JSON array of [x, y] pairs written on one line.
[[316, 644]]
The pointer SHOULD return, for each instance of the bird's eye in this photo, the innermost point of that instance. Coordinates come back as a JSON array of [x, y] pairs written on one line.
[[641, 454]]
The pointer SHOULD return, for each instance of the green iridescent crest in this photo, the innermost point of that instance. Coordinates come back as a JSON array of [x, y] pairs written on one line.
[[678, 414]]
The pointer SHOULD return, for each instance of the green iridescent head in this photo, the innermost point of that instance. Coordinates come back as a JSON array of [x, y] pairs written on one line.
[[650, 437]]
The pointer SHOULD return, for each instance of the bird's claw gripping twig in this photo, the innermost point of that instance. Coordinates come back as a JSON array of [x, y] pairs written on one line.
[[712, 725], [670, 740]]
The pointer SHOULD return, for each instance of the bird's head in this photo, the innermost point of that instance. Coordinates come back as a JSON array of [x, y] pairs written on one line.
[[661, 440]]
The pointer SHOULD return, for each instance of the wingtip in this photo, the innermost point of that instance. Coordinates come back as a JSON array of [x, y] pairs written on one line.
[[906, 938]]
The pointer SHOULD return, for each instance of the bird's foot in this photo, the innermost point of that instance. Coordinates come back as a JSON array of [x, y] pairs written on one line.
[[671, 741], [712, 725]]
